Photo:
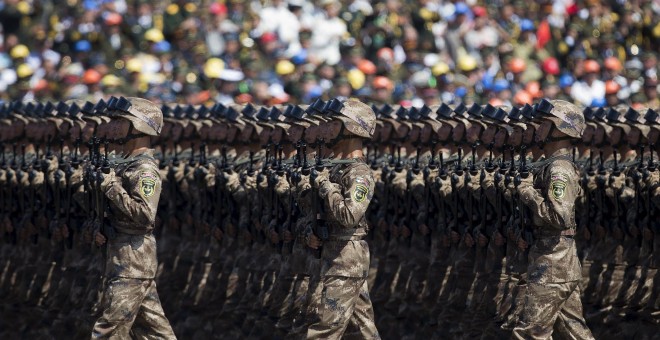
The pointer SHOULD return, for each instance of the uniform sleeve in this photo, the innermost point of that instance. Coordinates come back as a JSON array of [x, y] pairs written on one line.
[[140, 198], [554, 203], [347, 203]]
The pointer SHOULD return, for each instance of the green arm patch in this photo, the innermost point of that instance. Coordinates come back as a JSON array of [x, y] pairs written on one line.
[[147, 184], [360, 192], [558, 189]]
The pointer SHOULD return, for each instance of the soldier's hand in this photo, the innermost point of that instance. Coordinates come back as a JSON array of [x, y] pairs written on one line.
[[522, 245], [488, 182], [247, 236], [444, 240], [99, 239], [587, 234], [523, 182], [455, 237], [288, 236], [405, 231], [617, 182], [469, 241], [231, 229], [424, 229], [394, 230], [482, 240], [647, 233], [600, 232], [321, 177], [382, 225], [313, 241], [617, 233], [217, 233], [633, 230], [64, 230], [274, 237], [107, 179], [499, 239]]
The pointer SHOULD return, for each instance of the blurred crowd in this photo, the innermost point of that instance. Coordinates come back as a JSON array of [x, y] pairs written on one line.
[[505, 52]]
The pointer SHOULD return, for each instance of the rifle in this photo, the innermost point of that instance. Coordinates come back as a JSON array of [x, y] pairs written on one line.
[[490, 166], [69, 194], [617, 194], [200, 179], [455, 208], [601, 181], [523, 172], [10, 193], [57, 191], [108, 231], [408, 205], [32, 174], [651, 166], [430, 203], [320, 229], [172, 195]]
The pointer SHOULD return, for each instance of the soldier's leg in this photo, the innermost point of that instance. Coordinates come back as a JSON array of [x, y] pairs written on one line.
[[337, 304], [591, 289], [121, 301], [293, 317], [570, 322], [361, 324], [540, 310], [544, 305], [151, 322]]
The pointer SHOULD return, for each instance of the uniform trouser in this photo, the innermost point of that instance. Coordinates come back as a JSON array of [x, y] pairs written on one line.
[[344, 300], [552, 305], [132, 306]]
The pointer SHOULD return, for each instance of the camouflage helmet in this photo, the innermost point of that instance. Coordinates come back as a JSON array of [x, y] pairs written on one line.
[[358, 118], [566, 117], [145, 116]]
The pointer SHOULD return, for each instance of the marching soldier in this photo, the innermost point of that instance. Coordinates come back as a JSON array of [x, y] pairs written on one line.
[[461, 198], [344, 193], [552, 299], [132, 190]]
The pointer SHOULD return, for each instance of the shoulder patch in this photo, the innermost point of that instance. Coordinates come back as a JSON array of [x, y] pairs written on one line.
[[147, 183], [361, 192], [557, 188]]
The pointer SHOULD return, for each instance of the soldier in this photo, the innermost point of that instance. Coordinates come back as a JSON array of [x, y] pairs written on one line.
[[345, 192], [552, 299], [133, 191]]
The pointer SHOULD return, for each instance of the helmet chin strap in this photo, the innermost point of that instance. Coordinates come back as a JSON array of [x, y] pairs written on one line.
[[339, 137], [130, 136]]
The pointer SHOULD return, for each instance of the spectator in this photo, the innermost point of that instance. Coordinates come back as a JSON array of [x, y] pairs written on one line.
[[390, 51]]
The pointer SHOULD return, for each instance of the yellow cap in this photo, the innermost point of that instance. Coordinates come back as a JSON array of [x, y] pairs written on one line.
[[356, 78], [467, 63], [134, 65], [440, 68], [154, 35], [213, 68], [24, 7], [284, 67], [111, 80], [19, 51], [172, 9], [24, 71]]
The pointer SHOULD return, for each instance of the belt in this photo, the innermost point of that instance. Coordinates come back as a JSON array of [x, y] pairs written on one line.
[[345, 238], [130, 231], [565, 233]]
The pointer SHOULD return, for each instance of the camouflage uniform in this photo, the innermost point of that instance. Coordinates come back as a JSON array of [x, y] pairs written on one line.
[[345, 257], [552, 299], [130, 296]]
